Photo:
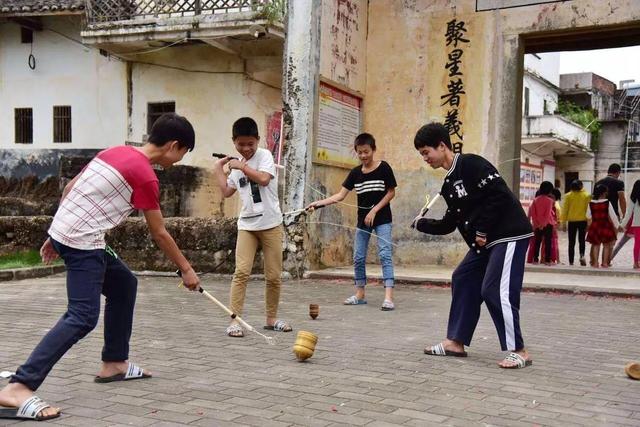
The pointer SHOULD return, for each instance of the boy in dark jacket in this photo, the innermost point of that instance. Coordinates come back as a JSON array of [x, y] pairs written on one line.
[[492, 222]]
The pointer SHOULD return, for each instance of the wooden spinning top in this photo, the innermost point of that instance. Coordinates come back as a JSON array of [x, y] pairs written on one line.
[[305, 345], [314, 310]]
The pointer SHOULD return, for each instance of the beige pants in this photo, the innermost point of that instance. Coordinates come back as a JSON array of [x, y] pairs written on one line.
[[246, 247]]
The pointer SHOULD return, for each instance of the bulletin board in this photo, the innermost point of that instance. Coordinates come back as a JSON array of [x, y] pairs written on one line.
[[530, 180], [339, 122]]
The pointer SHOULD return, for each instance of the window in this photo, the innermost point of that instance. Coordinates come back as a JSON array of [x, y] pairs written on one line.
[[24, 125], [156, 109], [26, 35], [61, 123], [545, 108], [526, 101]]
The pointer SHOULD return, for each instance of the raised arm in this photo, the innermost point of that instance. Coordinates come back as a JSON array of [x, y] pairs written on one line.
[[221, 177], [338, 197]]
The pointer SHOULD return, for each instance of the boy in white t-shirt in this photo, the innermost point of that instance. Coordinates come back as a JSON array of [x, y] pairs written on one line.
[[253, 176]]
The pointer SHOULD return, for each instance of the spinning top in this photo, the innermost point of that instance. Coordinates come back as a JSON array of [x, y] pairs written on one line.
[[314, 309], [305, 345]]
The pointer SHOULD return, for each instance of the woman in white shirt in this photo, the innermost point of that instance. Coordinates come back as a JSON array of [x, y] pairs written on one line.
[[632, 221]]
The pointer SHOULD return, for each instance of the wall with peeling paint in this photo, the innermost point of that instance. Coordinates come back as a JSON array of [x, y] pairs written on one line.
[[343, 44], [406, 77], [66, 73], [407, 84], [224, 88]]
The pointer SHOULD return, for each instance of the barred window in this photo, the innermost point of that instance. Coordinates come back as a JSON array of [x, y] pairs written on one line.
[[156, 109], [61, 123], [24, 125]]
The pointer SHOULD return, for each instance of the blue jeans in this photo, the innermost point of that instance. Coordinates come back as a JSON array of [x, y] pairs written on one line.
[[385, 254], [89, 274]]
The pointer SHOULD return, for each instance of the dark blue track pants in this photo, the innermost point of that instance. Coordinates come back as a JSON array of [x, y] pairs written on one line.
[[494, 277]]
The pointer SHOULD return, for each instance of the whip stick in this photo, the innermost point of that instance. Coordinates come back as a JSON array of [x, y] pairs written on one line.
[[270, 340], [429, 204]]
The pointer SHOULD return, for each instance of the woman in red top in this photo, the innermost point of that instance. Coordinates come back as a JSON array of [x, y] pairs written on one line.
[[542, 213], [603, 226]]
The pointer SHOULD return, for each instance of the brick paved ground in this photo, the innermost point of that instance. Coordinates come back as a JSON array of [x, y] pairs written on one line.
[[368, 368]]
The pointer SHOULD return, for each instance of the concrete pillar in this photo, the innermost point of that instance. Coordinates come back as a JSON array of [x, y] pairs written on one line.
[[507, 100], [300, 94]]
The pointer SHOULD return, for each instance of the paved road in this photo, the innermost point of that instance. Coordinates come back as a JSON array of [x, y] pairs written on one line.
[[368, 368]]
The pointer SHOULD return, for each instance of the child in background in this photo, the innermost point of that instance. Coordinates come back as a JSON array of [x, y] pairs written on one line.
[[631, 222], [602, 230], [542, 214], [574, 212], [555, 247], [375, 186]]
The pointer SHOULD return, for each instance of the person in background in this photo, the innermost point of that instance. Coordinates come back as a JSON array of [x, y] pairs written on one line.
[[574, 216], [602, 229], [555, 247], [630, 224], [542, 214], [615, 190]]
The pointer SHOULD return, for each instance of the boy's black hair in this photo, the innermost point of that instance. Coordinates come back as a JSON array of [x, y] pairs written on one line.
[[614, 168], [576, 185], [172, 127], [599, 190], [365, 139], [431, 135], [245, 126], [635, 193], [546, 188], [557, 194]]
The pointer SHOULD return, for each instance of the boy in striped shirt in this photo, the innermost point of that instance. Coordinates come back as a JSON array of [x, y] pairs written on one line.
[[375, 186], [116, 182]]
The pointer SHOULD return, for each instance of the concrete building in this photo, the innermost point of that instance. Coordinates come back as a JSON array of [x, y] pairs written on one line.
[[628, 110], [102, 75], [618, 112], [59, 97], [554, 148]]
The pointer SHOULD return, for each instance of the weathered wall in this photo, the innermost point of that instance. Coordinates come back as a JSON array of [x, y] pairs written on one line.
[[31, 180], [539, 92], [584, 167], [611, 146], [406, 78], [208, 244], [343, 33], [212, 99], [342, 52], [66, 73]]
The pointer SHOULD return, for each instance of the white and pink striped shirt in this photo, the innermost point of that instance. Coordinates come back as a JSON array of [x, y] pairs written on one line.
[[117, 181]]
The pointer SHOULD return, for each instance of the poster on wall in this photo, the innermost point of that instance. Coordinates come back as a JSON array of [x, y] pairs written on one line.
[[274, 133], [339, 122], [530, 180]]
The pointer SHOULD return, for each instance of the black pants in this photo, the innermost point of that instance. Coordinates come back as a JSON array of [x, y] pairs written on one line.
[[539, 234], [579, 227], [495, 278]]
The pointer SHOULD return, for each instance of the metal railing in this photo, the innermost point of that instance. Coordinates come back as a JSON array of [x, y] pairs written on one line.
[[103, 11]]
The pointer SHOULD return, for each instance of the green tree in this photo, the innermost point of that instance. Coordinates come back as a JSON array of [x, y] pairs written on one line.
[[585, 117]]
